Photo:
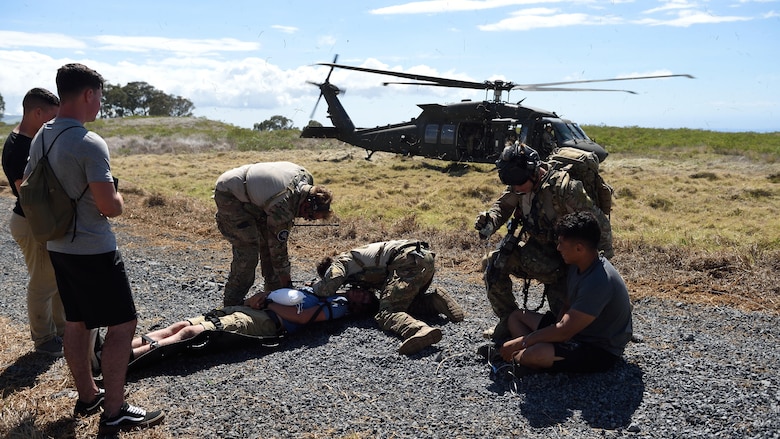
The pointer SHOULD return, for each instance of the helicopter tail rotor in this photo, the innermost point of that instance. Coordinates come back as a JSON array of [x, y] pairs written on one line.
[[324, 84]]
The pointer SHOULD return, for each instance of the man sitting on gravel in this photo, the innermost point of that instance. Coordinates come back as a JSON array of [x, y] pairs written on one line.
[[261, 317], [594, 326], [401, 271]]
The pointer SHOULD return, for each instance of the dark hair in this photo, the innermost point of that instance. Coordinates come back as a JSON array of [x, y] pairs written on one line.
[[323, 266], [39, 97], [73, 78], [372, 307], [580, 226], [320, 199]]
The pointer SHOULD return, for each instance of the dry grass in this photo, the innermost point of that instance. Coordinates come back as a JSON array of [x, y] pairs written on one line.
[[702, 230]]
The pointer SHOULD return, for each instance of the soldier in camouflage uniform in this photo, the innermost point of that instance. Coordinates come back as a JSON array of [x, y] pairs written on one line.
[[536, 196], [256, 205], [401, 271]]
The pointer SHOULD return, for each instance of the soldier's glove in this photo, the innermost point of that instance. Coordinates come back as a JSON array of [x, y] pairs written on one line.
[[481, 221], [484, 224]]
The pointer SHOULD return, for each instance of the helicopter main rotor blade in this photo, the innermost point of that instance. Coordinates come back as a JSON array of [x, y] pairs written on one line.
[[444, 82], [534, 88], [433, 84], [585, 81]]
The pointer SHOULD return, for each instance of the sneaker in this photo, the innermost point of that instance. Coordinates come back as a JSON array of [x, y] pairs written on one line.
[[96, 350], [443, 303], [90, 408], [490, 352], [52, 347], [129, 417], [421, 340]]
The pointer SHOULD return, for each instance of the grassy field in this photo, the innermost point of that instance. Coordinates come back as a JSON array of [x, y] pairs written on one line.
[[700, 190]]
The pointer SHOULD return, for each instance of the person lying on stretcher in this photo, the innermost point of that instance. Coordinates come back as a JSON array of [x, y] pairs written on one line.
[[283, 311]]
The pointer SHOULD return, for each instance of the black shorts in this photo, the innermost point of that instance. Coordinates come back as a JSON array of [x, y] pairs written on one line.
[[94, 288], [577, 356]]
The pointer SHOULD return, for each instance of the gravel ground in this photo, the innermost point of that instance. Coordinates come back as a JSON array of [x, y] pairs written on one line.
[[699, 372]]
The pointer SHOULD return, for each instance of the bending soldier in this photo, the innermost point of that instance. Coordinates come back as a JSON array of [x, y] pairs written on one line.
[[401, 271], [536, 196], [256, 205]]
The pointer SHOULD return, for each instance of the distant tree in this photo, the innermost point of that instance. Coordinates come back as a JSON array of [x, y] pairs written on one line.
[[274, 123], [141, 99], [2, 106], [313, 123]]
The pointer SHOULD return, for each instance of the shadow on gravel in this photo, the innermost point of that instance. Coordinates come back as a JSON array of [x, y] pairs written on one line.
[[23, 372], [603, 400]]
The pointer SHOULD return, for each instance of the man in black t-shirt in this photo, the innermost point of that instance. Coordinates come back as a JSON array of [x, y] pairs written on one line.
[[44, 307]]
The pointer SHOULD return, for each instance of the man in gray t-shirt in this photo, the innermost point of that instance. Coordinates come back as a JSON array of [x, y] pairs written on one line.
[[89, 269], [595, 324]]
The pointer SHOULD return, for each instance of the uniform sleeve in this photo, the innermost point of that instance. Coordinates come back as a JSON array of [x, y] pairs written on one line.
[[503, 208], [334, 278], [280, 223]]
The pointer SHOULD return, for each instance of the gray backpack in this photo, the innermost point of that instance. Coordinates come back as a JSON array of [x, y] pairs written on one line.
[[49, 210]]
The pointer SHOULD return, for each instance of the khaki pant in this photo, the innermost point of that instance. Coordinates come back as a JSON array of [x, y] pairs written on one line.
[[241, 320], [44, 307]]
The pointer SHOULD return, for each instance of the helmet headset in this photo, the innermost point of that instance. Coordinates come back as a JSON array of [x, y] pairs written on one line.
[[517, 164]]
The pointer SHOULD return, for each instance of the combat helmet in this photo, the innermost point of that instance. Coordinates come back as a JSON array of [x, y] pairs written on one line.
[[517, 164]]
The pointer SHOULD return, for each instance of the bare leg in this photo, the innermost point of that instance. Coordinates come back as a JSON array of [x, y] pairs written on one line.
[[184, 331], [76, 347], [161, 334], [114, 364]]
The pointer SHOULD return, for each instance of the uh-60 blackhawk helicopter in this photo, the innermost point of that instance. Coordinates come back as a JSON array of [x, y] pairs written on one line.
[[466, 131]]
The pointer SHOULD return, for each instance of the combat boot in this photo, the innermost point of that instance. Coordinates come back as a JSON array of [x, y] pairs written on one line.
[[445, 304], [420, 340], [500, 331]]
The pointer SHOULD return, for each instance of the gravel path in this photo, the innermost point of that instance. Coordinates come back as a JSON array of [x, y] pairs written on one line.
[[700, 371]]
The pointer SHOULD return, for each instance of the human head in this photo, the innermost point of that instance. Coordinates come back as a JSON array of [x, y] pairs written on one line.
[[74, 78], [578, 229], [324, 265], [80, 87], [361, 301], [40, 105], [316, 205], [517, 165]]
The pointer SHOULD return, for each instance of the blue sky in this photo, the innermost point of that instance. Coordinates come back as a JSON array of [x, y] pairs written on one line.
[[244, 61]]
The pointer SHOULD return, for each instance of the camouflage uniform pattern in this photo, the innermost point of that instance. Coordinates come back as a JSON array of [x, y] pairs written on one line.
[[400, 270], [256, 206], [537, 258]]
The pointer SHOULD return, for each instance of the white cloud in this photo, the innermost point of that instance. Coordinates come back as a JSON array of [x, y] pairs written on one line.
[[686, 18], [535, 18], [175, 45], [285, 29], [437, 6], [15, 40]]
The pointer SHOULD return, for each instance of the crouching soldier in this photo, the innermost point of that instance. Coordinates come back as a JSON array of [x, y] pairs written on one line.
[[401, 271]]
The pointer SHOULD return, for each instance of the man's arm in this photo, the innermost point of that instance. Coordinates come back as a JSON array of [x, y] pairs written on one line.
[[290, 313], [108, 201]]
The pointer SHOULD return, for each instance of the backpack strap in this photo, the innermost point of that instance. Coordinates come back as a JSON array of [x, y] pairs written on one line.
[[45, 155]]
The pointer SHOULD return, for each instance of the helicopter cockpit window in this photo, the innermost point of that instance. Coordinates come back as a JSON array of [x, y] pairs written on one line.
[[431, 133], [580, 134], [448, 134], [564, 134]]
